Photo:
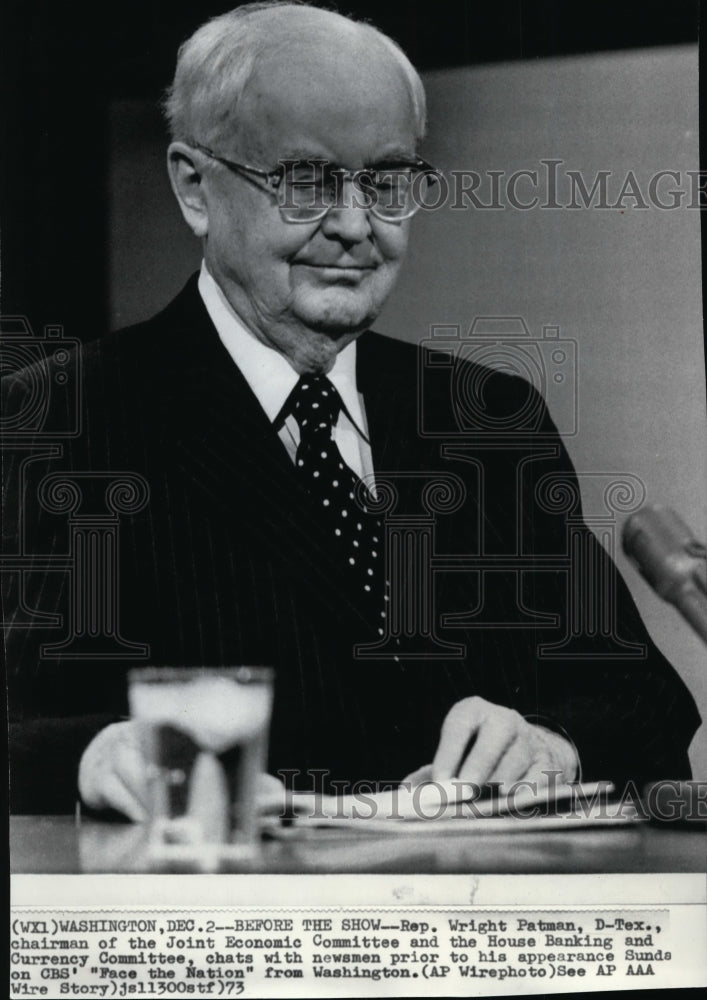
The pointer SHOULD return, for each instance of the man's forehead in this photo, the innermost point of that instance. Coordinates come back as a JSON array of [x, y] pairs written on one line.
[[328, 103]]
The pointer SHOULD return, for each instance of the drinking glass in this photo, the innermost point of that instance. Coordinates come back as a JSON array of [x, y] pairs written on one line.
[[206, 730]]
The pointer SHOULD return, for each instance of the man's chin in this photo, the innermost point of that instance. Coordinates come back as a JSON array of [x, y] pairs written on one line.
[[337, 317]]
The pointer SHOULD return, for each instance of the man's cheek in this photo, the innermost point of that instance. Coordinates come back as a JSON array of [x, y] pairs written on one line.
[[383, 279], [393, 241]]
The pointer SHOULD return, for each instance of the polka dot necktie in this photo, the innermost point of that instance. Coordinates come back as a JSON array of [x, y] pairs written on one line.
[[341, 497]]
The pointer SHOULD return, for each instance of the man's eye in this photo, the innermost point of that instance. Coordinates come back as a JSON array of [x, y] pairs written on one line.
[[390, 179], [392, 186], [303, 172], [308, 178], [385, 183]]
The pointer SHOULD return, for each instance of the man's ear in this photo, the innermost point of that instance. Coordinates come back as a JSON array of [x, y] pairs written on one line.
[[187, 183]]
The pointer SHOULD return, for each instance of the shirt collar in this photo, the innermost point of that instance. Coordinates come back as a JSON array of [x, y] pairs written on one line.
[[267, 372]]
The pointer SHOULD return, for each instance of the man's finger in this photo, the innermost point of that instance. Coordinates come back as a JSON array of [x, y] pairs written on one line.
[[113, 771], [513, 763], [538, 774], [115, 794], [271, 794], [419, 776], [131, 767], [493, 739], [547, 764], [460, 725]]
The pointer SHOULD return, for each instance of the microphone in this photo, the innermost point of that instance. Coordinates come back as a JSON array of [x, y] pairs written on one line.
[[674, 563]]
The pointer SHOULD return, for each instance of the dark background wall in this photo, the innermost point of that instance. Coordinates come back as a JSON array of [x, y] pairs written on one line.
[[87, 212]]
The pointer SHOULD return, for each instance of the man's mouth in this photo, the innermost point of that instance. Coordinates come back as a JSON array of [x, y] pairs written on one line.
[[336, 267], [338, 272]]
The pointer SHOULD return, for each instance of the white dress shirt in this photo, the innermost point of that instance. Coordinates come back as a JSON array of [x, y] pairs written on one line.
[[272, 378]]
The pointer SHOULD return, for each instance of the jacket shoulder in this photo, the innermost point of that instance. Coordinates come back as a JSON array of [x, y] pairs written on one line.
[[64, 386], [448, 377]]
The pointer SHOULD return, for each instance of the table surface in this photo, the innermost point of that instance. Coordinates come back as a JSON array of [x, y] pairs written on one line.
[[63, 844]]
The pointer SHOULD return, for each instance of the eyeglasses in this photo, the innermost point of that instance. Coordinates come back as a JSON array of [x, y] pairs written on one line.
[[307, 189]]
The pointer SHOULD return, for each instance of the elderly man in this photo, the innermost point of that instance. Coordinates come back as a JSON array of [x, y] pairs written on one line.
[[261, 411]]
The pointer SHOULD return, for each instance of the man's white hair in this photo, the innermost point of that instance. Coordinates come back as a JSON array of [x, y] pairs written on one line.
[[216, 63]]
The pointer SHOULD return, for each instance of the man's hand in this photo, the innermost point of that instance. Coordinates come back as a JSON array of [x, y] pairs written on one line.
[[114, 773], [482, 742]]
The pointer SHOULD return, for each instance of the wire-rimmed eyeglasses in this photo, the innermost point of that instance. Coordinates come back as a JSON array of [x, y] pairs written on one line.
[[306, 189]]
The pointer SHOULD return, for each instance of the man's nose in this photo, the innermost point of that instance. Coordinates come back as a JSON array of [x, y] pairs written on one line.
[[348, 220]]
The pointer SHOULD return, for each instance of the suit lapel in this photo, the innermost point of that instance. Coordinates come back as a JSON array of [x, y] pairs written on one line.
[[387, 377]]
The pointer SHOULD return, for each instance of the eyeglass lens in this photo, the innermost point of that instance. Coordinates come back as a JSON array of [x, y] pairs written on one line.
[[310, 188]]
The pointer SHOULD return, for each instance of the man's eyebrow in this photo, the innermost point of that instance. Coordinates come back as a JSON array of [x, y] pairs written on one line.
[[397, 153], [391, 157], [401, 160], [304, 154]]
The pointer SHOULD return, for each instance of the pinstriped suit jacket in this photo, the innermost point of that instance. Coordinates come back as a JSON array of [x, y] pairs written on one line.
[[227, 563]]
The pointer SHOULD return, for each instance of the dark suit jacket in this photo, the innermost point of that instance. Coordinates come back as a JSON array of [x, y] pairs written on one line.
[[227, 563]]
